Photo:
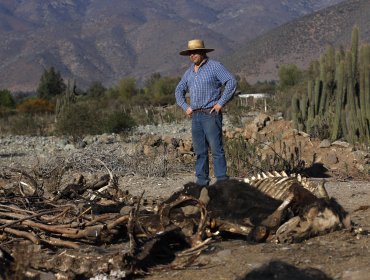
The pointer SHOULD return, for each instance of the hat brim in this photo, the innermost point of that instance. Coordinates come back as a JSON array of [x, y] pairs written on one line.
[[188, 51]]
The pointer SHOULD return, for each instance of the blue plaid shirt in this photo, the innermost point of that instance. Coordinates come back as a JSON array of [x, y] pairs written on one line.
[[205, 85]]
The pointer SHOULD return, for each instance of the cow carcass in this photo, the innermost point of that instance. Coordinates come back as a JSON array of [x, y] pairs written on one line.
[[268, 206]]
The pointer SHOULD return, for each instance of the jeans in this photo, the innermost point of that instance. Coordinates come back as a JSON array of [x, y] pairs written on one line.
[[207, 133]]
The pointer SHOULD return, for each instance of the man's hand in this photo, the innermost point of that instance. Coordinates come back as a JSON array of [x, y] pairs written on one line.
[[189, 112], [216, 108]]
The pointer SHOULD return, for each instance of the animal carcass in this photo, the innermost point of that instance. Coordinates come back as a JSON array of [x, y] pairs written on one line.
[[274, 206]]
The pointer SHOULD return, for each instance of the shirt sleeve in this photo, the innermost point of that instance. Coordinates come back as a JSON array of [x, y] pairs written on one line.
[[181, 89], [228, 80]]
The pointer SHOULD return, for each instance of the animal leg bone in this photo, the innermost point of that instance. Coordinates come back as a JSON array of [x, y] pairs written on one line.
[[274, 220]]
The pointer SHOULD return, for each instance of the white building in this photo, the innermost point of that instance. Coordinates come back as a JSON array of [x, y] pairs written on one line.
[[251, 98]]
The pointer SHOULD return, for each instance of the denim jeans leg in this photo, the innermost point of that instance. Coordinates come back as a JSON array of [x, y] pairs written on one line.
[[213, 130], [200, 146]]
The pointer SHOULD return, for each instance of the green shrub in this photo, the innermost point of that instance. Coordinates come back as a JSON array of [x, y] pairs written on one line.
[[289, 76], [79, 119], [118, 122], [27, 124], [83, 118]]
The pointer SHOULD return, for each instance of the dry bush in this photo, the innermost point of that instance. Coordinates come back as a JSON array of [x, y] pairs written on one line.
[[36, 106], [143, 115], [246, 158], [26, 124]]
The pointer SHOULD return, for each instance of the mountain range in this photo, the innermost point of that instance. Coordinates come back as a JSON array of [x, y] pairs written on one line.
[[105, 40]]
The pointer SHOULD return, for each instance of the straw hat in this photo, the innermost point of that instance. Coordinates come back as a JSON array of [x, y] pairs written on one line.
[[194, 45]]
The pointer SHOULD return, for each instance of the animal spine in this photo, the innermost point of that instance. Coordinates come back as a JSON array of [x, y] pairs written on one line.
[[278, 185]]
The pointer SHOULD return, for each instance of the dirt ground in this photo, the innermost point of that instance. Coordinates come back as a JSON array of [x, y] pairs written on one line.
[[341, 254], [338, 255]]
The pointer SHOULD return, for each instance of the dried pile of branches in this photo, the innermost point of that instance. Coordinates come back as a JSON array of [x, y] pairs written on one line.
[[92, 214]]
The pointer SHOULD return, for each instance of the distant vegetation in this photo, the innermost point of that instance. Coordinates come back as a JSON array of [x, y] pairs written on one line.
[[58, 107], [61, 108]]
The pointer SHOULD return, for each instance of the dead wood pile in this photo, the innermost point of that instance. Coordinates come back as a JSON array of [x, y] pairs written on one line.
[[88, 227]]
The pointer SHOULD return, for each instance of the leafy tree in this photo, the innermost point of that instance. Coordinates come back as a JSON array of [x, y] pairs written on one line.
[[265, 86], [243, 85], [51, 84], [149, 83], [164, 89], [6, 99], [289, 75], [96, 89], [126, 88], [160, 90]]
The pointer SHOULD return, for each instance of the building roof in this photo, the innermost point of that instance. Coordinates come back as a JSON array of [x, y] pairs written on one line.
[[255, 95]]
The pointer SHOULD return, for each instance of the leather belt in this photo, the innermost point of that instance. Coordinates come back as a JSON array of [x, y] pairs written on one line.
[[202, 110]]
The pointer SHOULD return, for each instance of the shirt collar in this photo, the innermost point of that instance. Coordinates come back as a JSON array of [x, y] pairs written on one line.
[[205, 60]]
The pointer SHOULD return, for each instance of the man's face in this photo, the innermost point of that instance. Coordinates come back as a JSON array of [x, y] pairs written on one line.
[[196, 57]]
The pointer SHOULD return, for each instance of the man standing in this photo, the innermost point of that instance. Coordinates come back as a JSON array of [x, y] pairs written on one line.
[[204, 81]]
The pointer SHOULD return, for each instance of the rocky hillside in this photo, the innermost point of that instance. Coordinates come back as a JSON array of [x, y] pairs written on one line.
[[104, 40], [302, 40]]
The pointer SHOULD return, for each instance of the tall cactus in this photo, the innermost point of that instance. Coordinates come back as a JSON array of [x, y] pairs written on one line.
[[295, 111], [331, 81], [324, 85], [339, 77], [317, 93], [364, 87], [367, 99], [303, 107], [365, 91], [354, 51], [354, 127], [310, 106]]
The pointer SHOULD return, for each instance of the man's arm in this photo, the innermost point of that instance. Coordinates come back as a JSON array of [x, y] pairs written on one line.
[[228, 80], [180, 92]]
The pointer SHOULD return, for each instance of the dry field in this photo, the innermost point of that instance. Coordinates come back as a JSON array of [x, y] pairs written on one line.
[[57, 230]]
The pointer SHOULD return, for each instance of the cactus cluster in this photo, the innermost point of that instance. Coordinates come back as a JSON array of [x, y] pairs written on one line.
[[338, 91], [65, 100]]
